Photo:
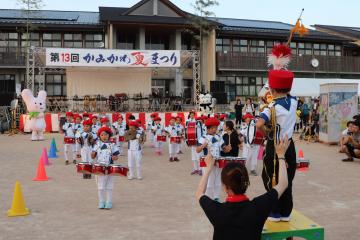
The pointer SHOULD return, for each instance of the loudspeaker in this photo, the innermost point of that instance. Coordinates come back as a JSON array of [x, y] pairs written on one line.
[[221, 97], [217, 86]]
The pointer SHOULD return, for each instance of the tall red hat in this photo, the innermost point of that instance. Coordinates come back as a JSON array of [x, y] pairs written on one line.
[[93, 117], [154, 114], [104, 129], [134, 124], [248, 115], [157, 118], [204, 118], [104, 120], [85, 114], [69, 114], [279, 76], [223, 116], [77, 116], [87, 122], [139, 121], [212, 122]]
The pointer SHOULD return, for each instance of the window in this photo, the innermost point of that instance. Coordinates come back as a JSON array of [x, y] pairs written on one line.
[[94, 40], [269, 46], [51, 39], [8, 39], [55, 84], [223, 45], [34, 39], [293, 48], [323, 49], [73, 40], [242, 85], [156, 41], [7, 83], [316, 49], [257, 46], [334, 50], [240, 45], [126, 40]]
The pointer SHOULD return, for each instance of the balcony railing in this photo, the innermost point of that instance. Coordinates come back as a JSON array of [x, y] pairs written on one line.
[[12, 56], [258, 62]]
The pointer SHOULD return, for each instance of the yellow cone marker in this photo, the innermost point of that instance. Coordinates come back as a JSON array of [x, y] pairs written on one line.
[[18, 204]]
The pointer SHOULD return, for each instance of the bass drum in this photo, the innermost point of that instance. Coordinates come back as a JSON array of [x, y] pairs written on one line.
[[254, 137], [191, 134]]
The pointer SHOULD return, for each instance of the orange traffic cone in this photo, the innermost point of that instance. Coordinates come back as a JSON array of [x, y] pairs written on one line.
[[41, 173], [18, 204], [301, 154]]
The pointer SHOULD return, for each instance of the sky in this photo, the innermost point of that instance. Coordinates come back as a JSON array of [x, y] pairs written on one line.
[[327, 12]]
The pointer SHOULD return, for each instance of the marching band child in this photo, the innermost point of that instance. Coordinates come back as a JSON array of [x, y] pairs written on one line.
[[149, 126], [250, 150], [280, 115], [119, 126], [158, 130], [85, 116], [173, 133], [96, 125], [104, 122], [211, 144], [194, 154], [86, 140], [134, 139], [69, 138], [105, 153], [180, 129], [78, 128]]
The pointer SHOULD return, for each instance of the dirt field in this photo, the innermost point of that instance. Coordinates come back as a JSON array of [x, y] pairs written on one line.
[[162, 205]]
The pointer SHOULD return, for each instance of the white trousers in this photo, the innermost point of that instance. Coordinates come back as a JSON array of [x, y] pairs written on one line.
[[151, 137], [158, 145], [105, 185], [179, 147], [213, 188], [134, 161], [85, 152], [195, 157], [77, 148], [69, 149], [120, 146], [251, 152], [173, 147]]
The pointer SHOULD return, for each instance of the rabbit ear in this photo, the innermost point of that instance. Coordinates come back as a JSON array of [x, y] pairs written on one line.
[[27, 96], [42, 95]]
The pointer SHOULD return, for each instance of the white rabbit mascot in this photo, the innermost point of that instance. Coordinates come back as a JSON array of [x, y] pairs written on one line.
[[36, 107]]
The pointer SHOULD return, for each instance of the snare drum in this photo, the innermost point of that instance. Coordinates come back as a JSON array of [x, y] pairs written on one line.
[[161, 138], [175, 140], [69, 140], [202, 162], [191, 134], [84, 167], [121, 139], [221, 161], [240, 160], [117, 170], [100, 169], [253, 136], [302, 163]]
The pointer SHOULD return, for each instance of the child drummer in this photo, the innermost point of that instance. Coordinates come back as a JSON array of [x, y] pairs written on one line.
[[134, 139], [173, 134], [194, 154], [180, 130], [105, 153], [250, 150], [149, 125], [69, 138], [280, 115], [95, 123], [86, 140], [119, 128], [158, 130], [211, 144], [78, 128]]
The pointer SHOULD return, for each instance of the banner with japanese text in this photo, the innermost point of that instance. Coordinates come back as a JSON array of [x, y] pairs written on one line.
[[82, 57]]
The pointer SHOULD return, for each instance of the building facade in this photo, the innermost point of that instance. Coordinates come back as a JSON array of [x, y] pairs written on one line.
[[234, 56]]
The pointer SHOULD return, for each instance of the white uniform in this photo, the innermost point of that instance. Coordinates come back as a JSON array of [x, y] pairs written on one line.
[[78, 129], [151, 135], [194, 155], [158, 131], [214, 142], [180, 129], [69, 132], [119, 131], [173, 147], [221, 128], [86, 148], [95, 127], [135, 156], [105, 183], [250, 151]]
